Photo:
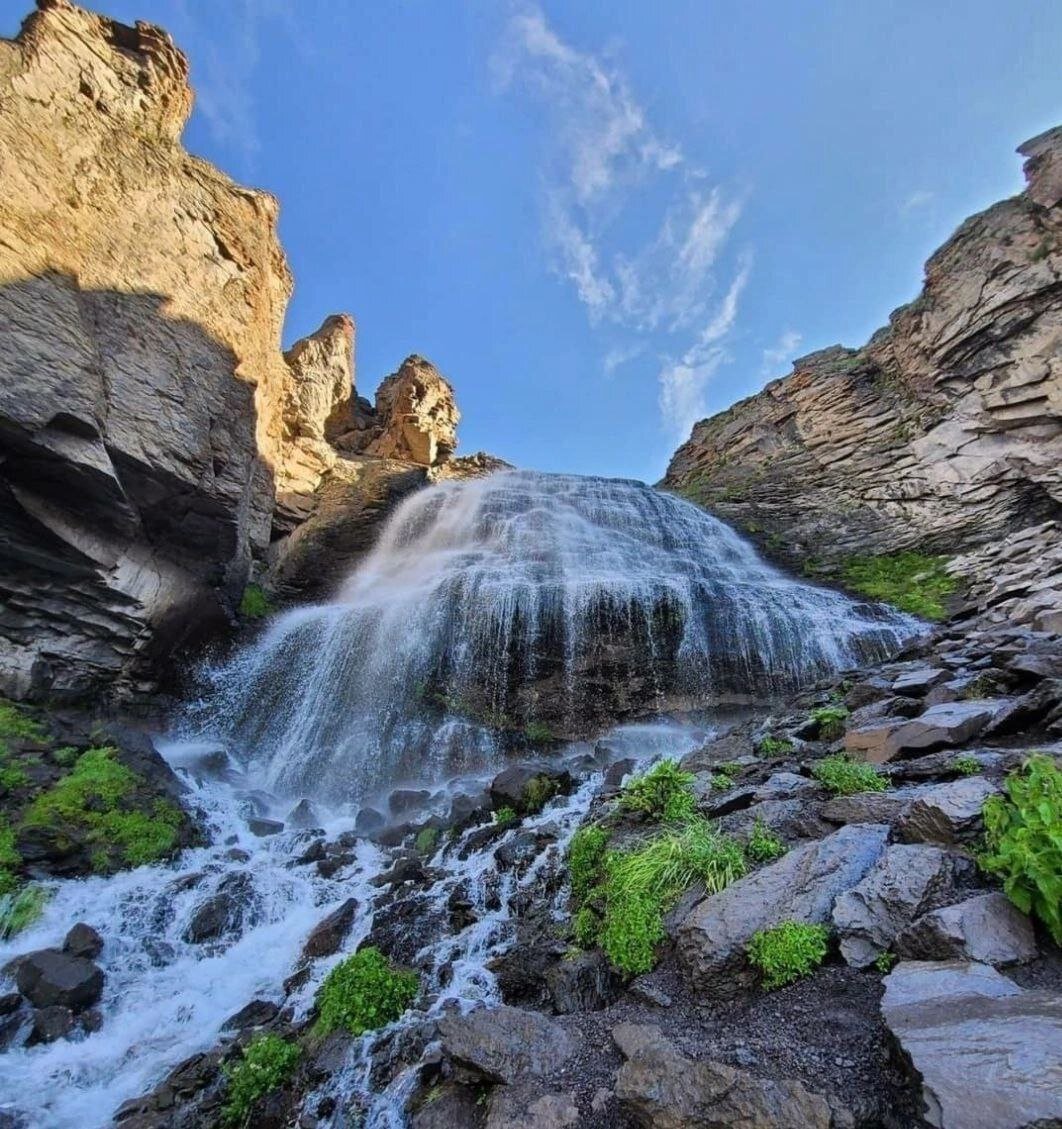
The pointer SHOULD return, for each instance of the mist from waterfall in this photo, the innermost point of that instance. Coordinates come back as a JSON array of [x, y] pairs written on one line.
[[514, 604]]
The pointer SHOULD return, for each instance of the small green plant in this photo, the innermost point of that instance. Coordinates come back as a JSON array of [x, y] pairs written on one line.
[[21, 908], [787, 952], [96, 795], [774, 746], [911, 582], [11, 775], [844, 777], [538, 733], [966, 766], [16, 724], [586, 854], [505, 815], [763, 844], [830, 720], [10, 859], [255, 604], [664, 792], [538, 791], [642, 884], [722, 778], [1023, 840], [427, 839], [586, 926], [364, 992], [268, 1062], [65, 756], [884, 961]]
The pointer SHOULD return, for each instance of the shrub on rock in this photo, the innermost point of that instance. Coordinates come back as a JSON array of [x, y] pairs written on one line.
[[788, 951], [268, 1062], [364, 992], [845, 778], [663, 792]]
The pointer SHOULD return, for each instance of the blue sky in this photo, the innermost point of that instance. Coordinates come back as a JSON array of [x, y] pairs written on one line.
[[605, 220]]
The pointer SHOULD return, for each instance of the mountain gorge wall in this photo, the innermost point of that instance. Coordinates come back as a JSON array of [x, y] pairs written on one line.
[[943, 434], [155, 442]]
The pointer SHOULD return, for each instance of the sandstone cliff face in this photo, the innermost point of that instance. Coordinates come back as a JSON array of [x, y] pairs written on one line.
[[148, 419], [942, 434]]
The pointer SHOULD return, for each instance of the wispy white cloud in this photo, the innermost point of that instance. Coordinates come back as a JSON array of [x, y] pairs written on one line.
[[604, 163], [620, 355], [782, 352], [918, 199]]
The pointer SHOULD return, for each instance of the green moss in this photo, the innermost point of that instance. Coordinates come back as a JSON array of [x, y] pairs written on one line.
[[16, 724], [763, 844], [10, 859], [884, 961], [774, 746], [586, 928], [912, 582], [664, 792], [268, 1062], [96, 799], [1023, 841], [787, 952], [845, 778], [538, 733], [966, 766], [505, 815], [722, 778], [427, 839], [364, 992], [21, 908], [538, 791], [586, 854], [830, 720], [255, 604]]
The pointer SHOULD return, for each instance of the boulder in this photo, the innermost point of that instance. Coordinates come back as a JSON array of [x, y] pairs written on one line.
[[49, 1024], [904, 883], [802, 885], [368, 820], [918, 682], [303, 816], [49, 977], [223, 913], [867, 807], [987, 928], [448, 1105], [527, 1105], [504, 1044], [403, 800], [948, 723], [947, 813], [986, 1054], [509, 788], [263, 828], [785, 786], [258, 1013], [661, 1088], [329, 933], [583, 982], [83, 941]]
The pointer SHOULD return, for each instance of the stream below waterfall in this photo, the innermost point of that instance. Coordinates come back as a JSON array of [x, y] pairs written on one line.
[[488, 618]]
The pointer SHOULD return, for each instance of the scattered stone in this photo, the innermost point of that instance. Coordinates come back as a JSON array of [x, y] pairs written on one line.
[[258, 1013], [83, 941], [236, 854], [867, 807], [988, 929], [947, 813], [988, 1055], [403, 800], [448, 1106], [526, 1105], [509, 788], [265, 827], [918, 682], [643, 989], [48, 977], [223, 912], [368, 820], [786, 786], [49, 1024], [328, 934], [504, 1044], [904, 883], [584, 982], [802, 885], [661, 1088], [303, 816]]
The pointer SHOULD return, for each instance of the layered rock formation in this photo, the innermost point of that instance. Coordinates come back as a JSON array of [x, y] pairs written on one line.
[[943, 434], [149, 419]]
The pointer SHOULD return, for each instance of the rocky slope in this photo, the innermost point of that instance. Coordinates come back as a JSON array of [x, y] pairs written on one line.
[[154, 435], [943, 434]]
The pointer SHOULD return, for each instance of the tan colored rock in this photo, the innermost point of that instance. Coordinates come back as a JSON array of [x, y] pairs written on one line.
[[418, 414], [942, 434]]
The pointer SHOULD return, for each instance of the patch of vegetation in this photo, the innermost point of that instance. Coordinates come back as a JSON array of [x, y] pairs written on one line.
[[844, 777], [505, 815], [586, 854], [1023, 841], [65, 756], [586, 926], [538, 791], [95, 798], [10, 859], [363, 992], [426, 840], [642, 884], [983, 686], [268, 1062], [16, 724], [1041, 250], [255, 604], [885, 960], [21, 908], [663, 792], [12, 776], [723, 777], [966, 766], [787, 952], [830, 720], [538, 733], [912, 582], [774, 746], [763, 845]]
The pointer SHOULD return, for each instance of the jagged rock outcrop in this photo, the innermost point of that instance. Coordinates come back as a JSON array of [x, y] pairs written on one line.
[[942, 434], [153, 436]]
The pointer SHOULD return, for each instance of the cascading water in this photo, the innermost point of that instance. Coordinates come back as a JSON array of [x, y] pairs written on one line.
[[487, 605], [522, 603]]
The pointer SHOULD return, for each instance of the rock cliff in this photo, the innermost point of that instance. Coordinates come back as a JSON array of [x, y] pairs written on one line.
[[943, 434], [154, 436]]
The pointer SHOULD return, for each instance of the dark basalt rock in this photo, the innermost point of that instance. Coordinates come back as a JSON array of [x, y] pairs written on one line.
[[504, 1044], [51, 977], [49, 1024], [328, 934], [258, 1013], [224, 913], [83, 941]]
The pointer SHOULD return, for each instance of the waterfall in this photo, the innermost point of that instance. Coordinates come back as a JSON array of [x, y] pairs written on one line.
[[512, 608]]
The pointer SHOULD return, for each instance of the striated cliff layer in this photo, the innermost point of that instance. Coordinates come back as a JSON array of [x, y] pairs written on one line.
[[943, 434], [153, 436]]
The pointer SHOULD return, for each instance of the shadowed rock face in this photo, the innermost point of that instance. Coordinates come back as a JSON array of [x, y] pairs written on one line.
[[943, 433]]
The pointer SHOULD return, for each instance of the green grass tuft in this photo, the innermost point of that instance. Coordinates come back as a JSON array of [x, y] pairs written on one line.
[[586, 855], [787, 952], [364, 992], [427, 839], [774, 746], [664, 792], [268, 1062], [763, 844], [911, 582], [966, 766], [538, 733], [538, 791], [884, 961], [255, 604], [830, 720], [21, 908], [10, 859], [844, 777]]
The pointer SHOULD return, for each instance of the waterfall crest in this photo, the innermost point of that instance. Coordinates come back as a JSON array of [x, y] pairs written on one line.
[[524, 604]]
